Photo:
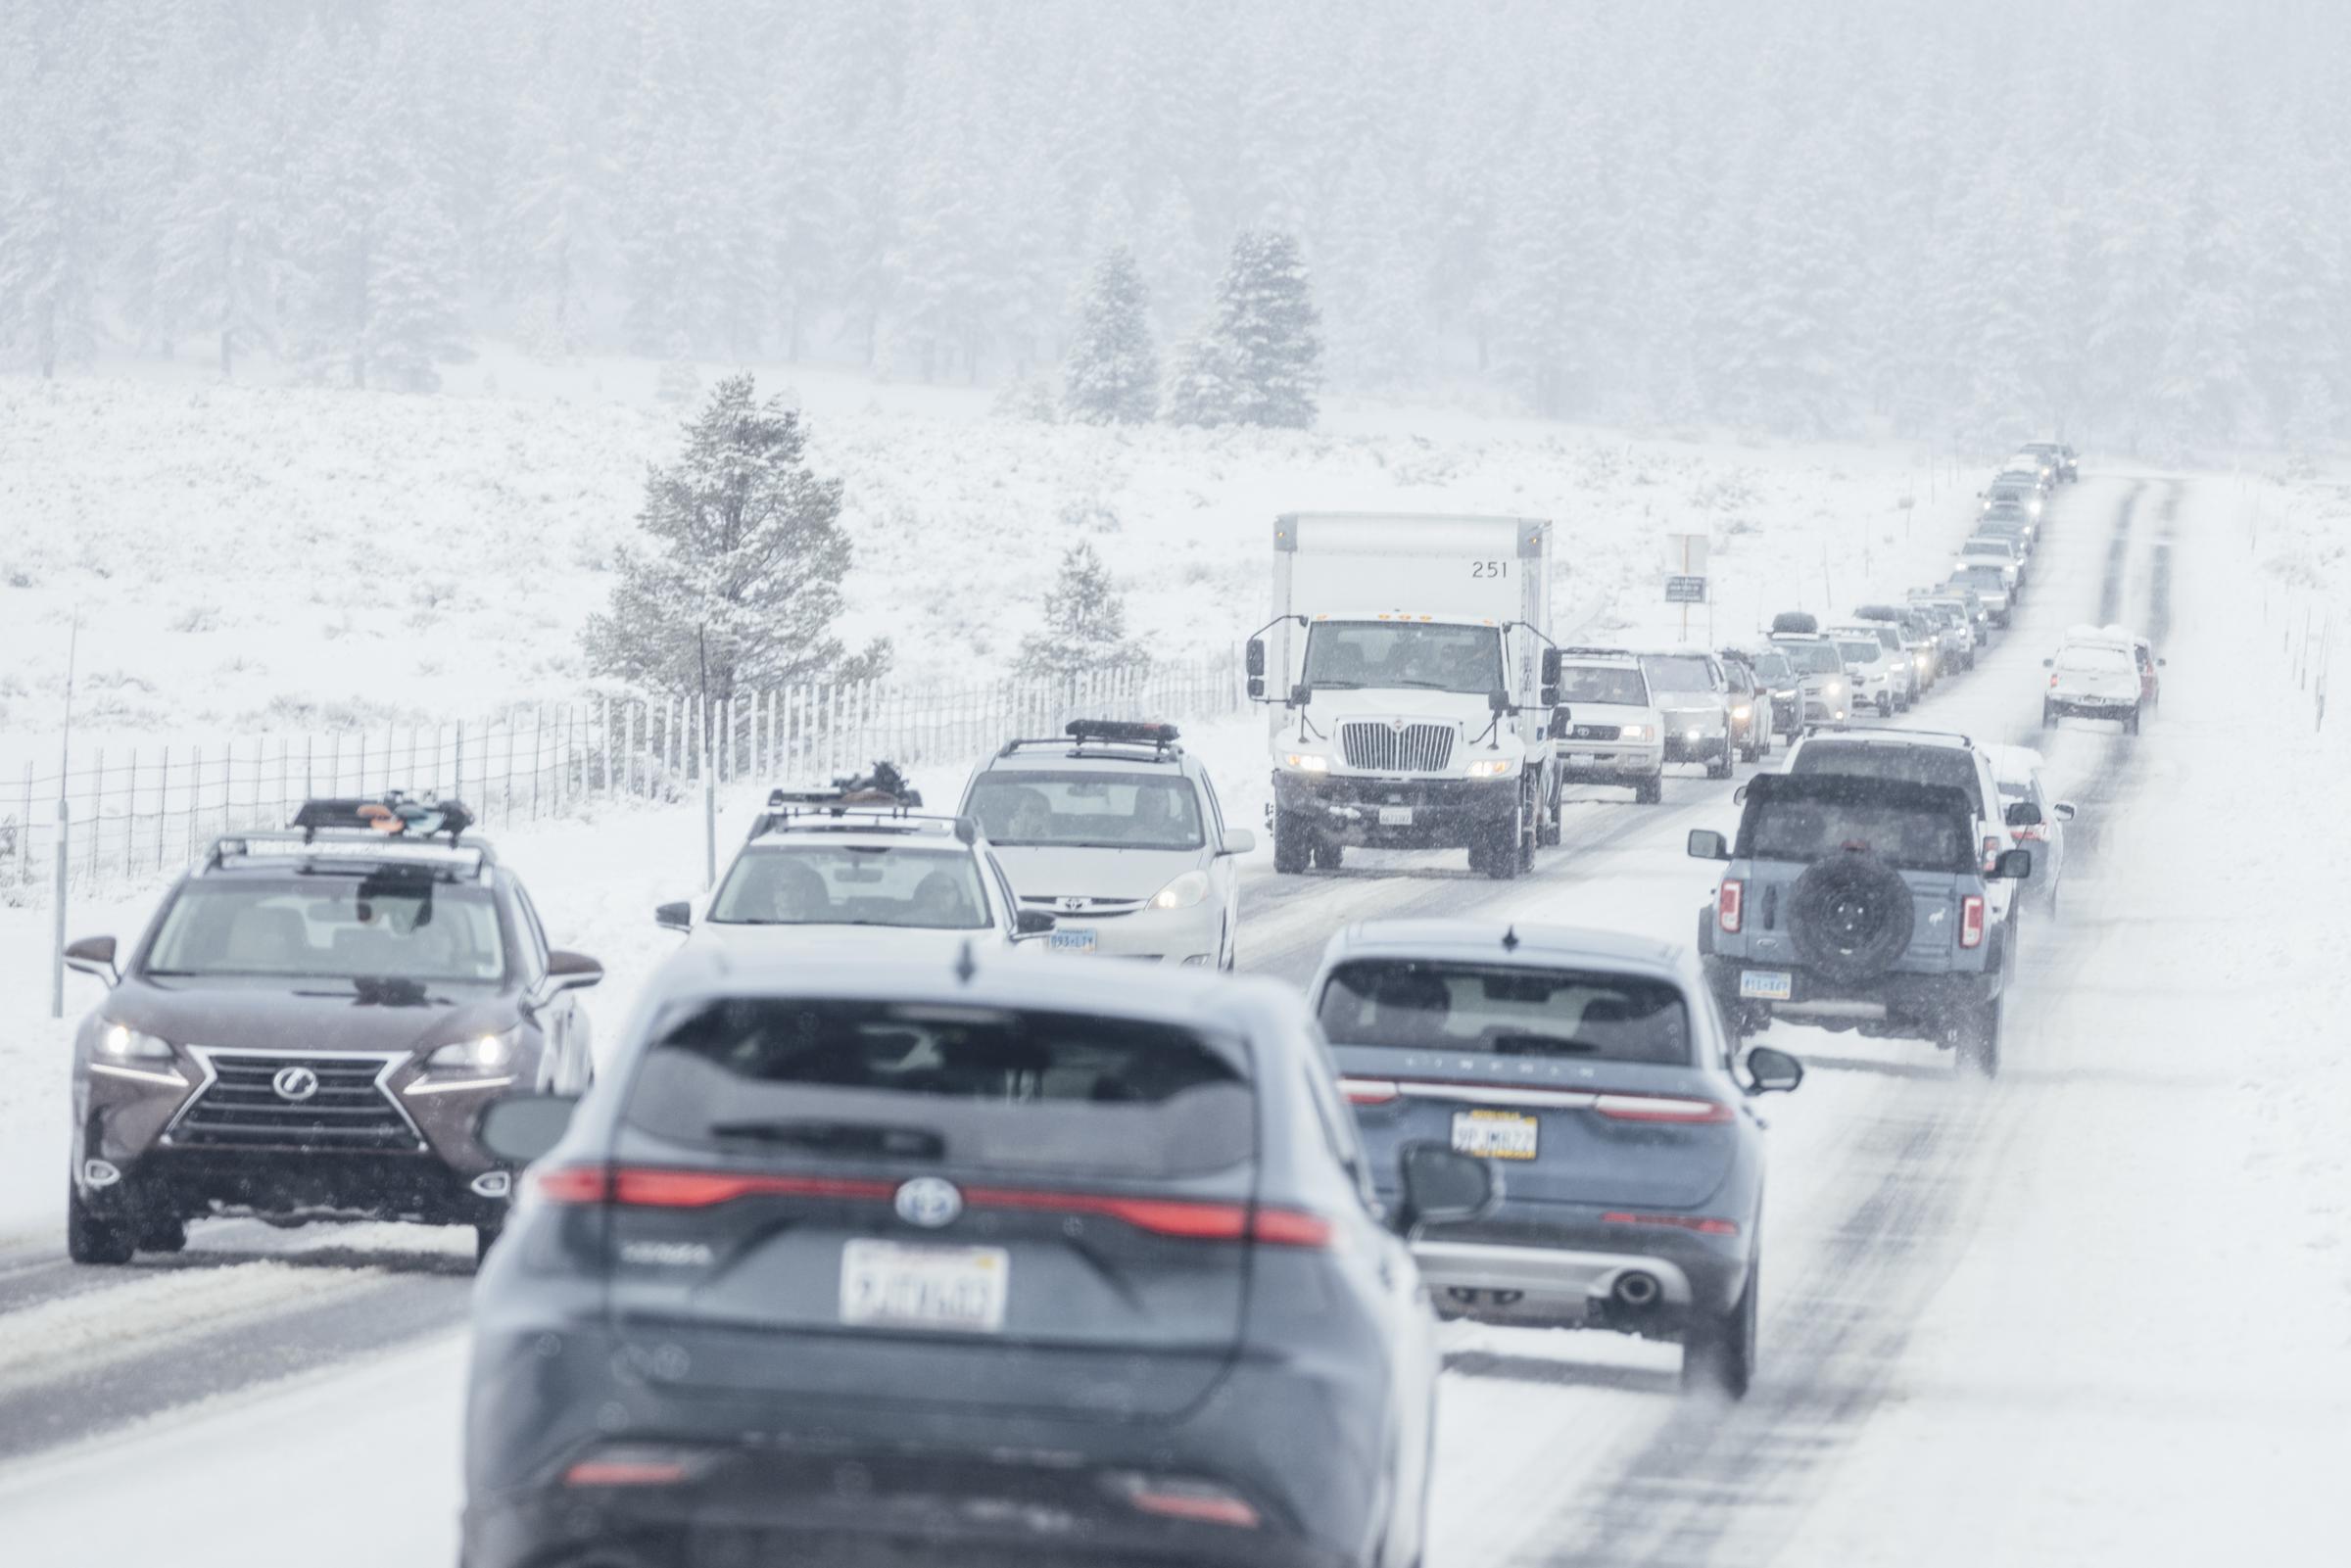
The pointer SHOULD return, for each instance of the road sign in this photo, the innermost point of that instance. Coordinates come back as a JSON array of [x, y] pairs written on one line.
[[1685, 590]]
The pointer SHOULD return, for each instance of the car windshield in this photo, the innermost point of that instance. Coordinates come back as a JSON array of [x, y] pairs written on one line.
[[1618, 684], [1773, 668], [1346, 655], [330, 925], [1906, 763], [1857, 652], [1505, 1009], [1678, 672], [1813, 658], [1019, 808], [852, 885], [1808, 829], [1000, 1087], [1997, 548], [1979, 577]]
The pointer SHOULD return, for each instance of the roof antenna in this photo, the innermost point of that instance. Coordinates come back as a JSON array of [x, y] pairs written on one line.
[[1510, 940], [965, 966]]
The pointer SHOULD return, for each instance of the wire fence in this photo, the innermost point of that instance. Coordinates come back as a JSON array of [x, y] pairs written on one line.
[[155, 809]]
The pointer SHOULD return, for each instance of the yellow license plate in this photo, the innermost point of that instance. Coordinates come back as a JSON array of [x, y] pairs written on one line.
[[1496, 1134]]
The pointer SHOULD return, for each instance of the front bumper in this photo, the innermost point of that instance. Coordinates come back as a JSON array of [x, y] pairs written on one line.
[[1194, 935], [1700, 740], [1399, 813], [297, 1186], [1608, 761]]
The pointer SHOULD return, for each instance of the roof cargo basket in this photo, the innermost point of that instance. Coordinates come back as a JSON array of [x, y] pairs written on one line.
[[1090, 736]]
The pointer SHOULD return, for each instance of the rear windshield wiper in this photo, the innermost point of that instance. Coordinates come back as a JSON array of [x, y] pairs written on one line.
[[837, 1137]]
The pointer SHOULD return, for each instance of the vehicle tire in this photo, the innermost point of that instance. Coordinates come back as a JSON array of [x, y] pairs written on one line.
[[484, 1237], [1649, 791], [1328, 854], [1851, 916], [1291, 843], [1718, 1354], [163, 1233], [1884, 705], [1976, 1038], [1530, 835], [1720, 767], [1548, 826], [92, 1240], [2048, 717], [2130, 724]]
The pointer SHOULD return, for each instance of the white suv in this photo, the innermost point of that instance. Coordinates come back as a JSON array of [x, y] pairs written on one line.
[[1113, 831], [1608, 728], [829, 872], [1882, 674]]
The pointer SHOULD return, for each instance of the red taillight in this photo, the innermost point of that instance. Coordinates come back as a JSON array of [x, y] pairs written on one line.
[[1699, 1223], [2052, 680], [1193, 1501], [1991, 848], [1179, 1217], [1970, 921], [1729, 904], [1660, 1107], [1371, 1091], [625, 1473], [573, 1184], [1291, 1227], [2032, 835], [636, 1188]]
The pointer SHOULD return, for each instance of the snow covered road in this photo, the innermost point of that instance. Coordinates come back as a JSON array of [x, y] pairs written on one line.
[[2004, 1324]]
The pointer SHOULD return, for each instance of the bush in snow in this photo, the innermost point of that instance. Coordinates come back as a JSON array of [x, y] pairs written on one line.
[[1111, 375], [679, 382], [741, 583], [1031, 397], [1085, 621], [1258, 361]]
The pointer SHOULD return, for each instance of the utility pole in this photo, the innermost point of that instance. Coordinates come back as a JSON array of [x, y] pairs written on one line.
[[64, 757]]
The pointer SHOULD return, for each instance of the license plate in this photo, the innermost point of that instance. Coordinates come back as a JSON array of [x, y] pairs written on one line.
[[1582, 759], [1494, 1134], [1394, 816], [1766, 986], [1081, 941], [886, 1285]]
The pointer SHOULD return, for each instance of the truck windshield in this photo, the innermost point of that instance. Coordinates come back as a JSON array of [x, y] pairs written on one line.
[[1353, 655]]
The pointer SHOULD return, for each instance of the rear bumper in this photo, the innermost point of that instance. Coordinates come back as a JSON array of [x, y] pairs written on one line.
[[2088, 707], [1446, 813], [1898, 998]]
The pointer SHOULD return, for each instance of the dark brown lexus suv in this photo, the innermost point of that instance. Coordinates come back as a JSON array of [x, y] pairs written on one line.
[[308, 1030]]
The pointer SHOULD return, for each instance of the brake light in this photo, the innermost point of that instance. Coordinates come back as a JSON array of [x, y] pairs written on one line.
[[573, 1184], [2052, 680], [1184, 1219], [1370, 1091], [1970, 921], [1729, 904], [1182, 1497], [1699, 1223], [1660, 1107], [625, 1473]]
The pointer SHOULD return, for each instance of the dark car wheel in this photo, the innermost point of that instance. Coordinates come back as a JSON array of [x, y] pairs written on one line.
[[1976, 1038], [2131, 722], [2048, 717], [1851, 916], [1291, 844], [92, 1240], [1718, 1354], [1720, 767], [163, 1233], [1329, 854], [1649, 792]]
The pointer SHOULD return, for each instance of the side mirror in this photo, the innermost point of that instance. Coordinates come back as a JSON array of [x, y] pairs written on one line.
[[520, 1128], [1032, 922], [1255, 659], [1498, 701], [1237, 841], [1550, 695], [1257, 689], [2163, 662], [2048, 664], [1770, 1070], [1301, 695], [1707, 844], [2024, 814], [1551, 666], [567, 971], [2013, 866], [1442, 1187], [94, 954], [676, 916], [2064, 810]]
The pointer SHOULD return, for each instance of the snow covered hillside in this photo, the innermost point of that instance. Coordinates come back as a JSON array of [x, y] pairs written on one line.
[[248, 560]]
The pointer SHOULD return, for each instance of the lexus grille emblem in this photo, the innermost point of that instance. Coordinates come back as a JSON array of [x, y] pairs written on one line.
[[296, 1082], [929, 1202]]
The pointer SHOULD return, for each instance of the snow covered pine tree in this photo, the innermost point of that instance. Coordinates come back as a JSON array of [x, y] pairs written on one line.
[[742, 581], [1085, 621], [1259, 361], [1110, 376]]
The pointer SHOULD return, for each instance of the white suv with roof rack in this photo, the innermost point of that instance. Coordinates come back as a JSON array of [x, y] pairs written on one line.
[[854, 871], [1116, 833]]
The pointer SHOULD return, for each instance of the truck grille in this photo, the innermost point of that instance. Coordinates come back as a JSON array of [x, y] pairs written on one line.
[[1382, 748], [1592, 732], [241, 1107]]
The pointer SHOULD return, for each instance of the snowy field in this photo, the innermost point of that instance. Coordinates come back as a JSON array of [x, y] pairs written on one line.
[[2089, 1314], [249, 559]]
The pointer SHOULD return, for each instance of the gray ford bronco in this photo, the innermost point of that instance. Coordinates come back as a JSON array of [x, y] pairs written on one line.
[[1859, 903]]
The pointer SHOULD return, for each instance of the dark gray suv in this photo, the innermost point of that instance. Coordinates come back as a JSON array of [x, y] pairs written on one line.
[[1005, 1262], [1855, 902]]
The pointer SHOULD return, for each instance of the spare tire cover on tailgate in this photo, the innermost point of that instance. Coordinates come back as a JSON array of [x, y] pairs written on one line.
[[1851, 916]]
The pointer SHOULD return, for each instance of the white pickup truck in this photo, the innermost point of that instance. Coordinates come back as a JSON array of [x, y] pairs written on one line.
[[1411, 684]]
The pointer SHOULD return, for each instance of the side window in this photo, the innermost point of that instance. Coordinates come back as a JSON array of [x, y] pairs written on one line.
[[1012, 902], [534, 936], [1216, 812]]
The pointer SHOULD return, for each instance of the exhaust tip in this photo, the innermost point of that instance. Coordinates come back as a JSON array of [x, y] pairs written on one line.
[[493, 1183], [1636, 1288], [99, 1173]]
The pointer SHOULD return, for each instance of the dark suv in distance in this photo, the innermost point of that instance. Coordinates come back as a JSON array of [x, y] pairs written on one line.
[[308, 1030], [989, 1261]]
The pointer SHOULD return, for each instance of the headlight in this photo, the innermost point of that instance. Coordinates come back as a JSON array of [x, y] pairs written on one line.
[[1493, 767], [1633, 732], [1306, 762], [118, 1042], [1183, 892], [1833, 688], [1740, 711], [486, 1053]]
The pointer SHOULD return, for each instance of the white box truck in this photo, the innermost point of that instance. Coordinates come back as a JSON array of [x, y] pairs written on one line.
[[1408, 673]]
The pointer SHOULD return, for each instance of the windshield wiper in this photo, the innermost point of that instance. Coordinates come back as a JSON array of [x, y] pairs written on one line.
[[839, 1138]]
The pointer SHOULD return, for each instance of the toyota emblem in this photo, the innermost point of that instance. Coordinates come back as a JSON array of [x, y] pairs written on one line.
[[296, 1083], [930, 1203], [1073, 903]]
